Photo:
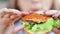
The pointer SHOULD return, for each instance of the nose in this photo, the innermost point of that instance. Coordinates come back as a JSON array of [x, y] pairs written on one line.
[[34, 1]]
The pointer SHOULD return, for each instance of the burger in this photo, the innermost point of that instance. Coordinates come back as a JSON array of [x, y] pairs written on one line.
[[36, 23]]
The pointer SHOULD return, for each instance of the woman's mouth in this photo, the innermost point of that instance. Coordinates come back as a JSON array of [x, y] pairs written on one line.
[[37, 6]]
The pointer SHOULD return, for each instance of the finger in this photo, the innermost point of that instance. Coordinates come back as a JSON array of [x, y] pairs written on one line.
[[56, 15], [51, 12], [5, 9], [6, 19], [17, 29], [59, 16], [15, 11], [6, 16], [14, 17], [9, 29], [2, 14], [25, 12]]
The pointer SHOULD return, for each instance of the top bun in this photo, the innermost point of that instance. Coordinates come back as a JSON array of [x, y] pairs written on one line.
[[35, 17]]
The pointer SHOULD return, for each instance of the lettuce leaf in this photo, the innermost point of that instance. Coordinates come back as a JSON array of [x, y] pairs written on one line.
[[46, 26], [56, 23], [28, 26]]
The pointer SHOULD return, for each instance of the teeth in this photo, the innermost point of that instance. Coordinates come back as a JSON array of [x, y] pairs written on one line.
[[35, 0], [40, 12]]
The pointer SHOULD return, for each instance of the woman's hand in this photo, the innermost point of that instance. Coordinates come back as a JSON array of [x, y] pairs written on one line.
[[9, 16], [53, 13], [7, 19]]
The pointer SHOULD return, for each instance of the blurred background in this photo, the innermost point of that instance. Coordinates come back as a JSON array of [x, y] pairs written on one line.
[[3, 4], [12, 4]]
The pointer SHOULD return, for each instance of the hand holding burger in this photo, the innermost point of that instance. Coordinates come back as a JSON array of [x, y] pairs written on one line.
[[7, 21]]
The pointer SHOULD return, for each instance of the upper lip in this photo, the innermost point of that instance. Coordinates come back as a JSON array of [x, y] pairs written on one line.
[[35, 10]]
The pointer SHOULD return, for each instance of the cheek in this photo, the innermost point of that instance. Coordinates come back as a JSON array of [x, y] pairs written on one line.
[[24, 4], [57, 4]]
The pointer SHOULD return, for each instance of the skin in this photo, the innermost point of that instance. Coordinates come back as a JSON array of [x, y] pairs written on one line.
[[57, 4], [53, 13], [47, 4], [8, 17], [27, 5]]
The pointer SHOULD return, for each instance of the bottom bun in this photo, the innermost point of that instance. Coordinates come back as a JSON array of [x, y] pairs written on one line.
[[26, 31], [39, 32]]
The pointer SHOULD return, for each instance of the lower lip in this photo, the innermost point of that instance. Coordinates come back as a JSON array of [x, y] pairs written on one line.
[[35, 10]]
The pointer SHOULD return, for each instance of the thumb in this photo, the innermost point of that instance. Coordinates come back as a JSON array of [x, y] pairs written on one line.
[[20, 27], [51, 12]]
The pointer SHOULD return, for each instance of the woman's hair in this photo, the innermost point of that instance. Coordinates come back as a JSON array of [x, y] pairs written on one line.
[[12, 4]]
